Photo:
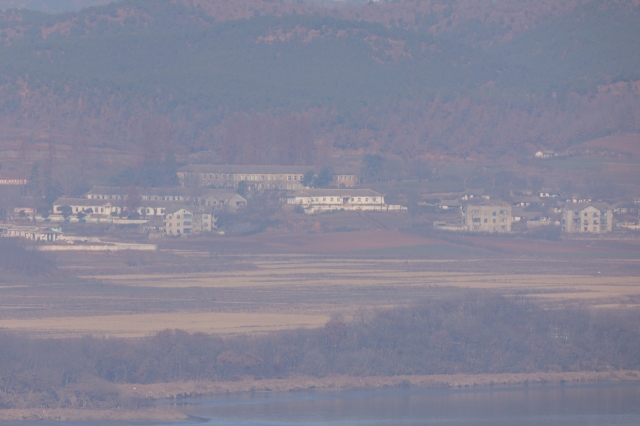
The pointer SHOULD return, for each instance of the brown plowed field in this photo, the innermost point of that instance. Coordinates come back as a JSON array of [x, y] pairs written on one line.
[[273, 281], [296, 243], [624, 144]]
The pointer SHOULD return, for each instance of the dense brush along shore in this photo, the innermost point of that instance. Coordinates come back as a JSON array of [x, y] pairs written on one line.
[[460, 341]]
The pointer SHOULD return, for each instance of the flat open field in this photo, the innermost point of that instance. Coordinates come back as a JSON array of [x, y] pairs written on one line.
[[303, 275], [269, 281], [623, 144], [140, 325]]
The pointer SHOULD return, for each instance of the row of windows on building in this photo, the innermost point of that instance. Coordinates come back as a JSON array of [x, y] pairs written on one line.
[[143, 197], [595, 214], [595, 222], [185, 216], [340, 178], [477, 212], [106, 197], [477, 220], [477, 227], [116, 209], [210, 176], [339, 199]]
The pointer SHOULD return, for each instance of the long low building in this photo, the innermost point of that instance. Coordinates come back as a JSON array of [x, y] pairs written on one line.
[[323, 200], [153, 202], [34, 233], [84, 205], [216, 198], [260, 177], [8, 177]]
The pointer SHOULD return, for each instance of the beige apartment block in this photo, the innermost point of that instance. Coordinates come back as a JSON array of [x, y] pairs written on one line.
[[587, 218], [180, 221], [487, 218]]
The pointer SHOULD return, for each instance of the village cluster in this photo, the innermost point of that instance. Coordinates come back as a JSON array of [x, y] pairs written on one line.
[[193, 207], [205, 191], [478, 213]]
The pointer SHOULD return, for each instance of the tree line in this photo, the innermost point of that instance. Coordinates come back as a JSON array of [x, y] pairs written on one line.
[[16, 257], [469, 334]]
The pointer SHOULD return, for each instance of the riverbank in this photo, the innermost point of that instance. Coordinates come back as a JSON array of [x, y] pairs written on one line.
[[204, 388], [180, 390], [163, 414]]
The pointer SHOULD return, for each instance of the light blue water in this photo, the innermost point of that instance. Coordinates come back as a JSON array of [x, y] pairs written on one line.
[[568, 405], [531, 406]]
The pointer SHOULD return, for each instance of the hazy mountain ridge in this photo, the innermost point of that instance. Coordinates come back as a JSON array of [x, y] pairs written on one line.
[[502, 19], [364, 79], [49, 6]]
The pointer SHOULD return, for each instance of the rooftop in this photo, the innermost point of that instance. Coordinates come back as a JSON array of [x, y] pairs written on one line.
[[80, 202], [339, 192], [169, 191], [124, 190], [595, 204], [214, 168], [168, 205], [40, 229]]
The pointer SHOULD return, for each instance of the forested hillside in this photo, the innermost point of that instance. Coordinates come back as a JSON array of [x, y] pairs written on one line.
[[55, 6], [290, 82]]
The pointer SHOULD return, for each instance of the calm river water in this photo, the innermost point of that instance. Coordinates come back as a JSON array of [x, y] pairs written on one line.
[[566, 405]]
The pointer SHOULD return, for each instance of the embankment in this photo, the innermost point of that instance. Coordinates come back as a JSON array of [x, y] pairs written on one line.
[[207, 388], [180, 390]]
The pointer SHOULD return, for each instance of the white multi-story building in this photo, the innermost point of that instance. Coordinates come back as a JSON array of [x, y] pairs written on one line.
[[587, 217], [34, 233], [487, 218], [154, 202], [87, 206], [180, 221], [322, 200]]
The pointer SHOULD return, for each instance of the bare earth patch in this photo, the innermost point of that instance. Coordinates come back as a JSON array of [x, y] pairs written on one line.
[[267, 293], [624, 144]]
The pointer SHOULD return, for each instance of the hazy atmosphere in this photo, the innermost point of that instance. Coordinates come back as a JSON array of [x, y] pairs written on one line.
[[270, 212]]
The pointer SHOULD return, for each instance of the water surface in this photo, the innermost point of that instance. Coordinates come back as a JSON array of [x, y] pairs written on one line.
[[611, 404], [594, 404]]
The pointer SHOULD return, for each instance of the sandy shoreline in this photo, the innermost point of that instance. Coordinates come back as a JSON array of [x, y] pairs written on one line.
[[195, 389], [180, 390], [164, 414]]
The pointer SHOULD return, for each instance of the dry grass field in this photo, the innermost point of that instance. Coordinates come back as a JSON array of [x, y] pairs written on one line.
[[622, 144], [140, 325], [301, 273], [269, 281]]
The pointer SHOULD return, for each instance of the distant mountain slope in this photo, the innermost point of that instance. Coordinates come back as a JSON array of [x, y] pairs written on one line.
[[158, 49], [296, 62], [577, 51], [51, 6], [351, 72]]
